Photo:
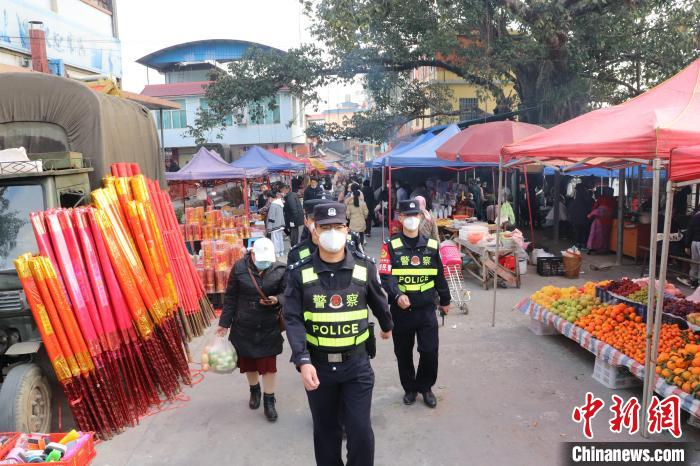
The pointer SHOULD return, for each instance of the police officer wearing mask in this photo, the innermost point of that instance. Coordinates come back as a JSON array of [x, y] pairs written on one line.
[[326, 307], [307, 246], [412, 274]]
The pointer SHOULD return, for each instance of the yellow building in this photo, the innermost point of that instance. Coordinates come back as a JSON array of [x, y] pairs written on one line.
[[470, 100]]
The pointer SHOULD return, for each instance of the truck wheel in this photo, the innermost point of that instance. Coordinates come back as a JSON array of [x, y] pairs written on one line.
[[25, 397]]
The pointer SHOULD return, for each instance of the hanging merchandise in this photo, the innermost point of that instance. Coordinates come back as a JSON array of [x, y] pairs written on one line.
[[116, 299]]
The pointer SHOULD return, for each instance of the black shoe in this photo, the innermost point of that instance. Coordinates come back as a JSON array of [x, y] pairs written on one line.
[[269, 404], [409, 398], [254, 402], [429, 399]]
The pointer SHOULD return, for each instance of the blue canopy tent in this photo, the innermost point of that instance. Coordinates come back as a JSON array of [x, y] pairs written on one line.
[[257, 157], [400, 148], [423, 156]]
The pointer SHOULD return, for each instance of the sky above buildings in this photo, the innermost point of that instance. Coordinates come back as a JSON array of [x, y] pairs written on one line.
[[149, 25]]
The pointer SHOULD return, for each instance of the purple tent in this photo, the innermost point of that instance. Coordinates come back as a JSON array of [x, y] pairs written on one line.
[[207, 165]]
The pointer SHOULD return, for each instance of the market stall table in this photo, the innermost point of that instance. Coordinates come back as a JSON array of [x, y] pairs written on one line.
[[605, 352], [486, 262]]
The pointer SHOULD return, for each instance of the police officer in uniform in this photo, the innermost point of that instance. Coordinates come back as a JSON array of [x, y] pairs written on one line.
[[306, 246], [326, 307], [412, 275]]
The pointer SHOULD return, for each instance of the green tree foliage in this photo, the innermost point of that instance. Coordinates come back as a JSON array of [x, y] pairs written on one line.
[[561, 57]]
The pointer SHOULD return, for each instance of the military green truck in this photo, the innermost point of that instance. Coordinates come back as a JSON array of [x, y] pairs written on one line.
[[25, 393], [77, 134]]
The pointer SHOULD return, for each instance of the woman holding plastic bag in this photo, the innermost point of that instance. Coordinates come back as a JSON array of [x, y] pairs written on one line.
[[252, 310]]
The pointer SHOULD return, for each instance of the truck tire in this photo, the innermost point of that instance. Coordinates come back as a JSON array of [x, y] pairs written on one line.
[[25, 397]]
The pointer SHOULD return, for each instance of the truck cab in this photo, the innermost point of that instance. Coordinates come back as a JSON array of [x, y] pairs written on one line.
[[25, 374]]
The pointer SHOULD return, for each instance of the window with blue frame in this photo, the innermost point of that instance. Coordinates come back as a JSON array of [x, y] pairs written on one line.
[[204, 104], [173, 119], [260, 113]]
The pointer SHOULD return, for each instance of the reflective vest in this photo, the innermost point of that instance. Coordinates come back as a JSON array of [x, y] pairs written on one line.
[[335, 320], [415, 271]]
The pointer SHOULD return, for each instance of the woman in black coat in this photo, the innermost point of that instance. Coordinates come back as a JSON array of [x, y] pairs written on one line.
[[254, 322]]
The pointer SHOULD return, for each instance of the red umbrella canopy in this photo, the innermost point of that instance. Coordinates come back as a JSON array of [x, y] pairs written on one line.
[[483, 143], [647, 126], [685, 164]]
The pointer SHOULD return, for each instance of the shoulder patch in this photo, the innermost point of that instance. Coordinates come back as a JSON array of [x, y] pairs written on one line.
[[298, 264]]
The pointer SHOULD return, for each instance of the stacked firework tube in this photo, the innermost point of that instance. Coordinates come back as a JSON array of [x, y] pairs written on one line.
[[212, 224], [217, 259], [115, 298]]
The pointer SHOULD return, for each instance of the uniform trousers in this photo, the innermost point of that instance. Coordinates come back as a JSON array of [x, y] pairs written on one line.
[[345, 389], [411, 325]]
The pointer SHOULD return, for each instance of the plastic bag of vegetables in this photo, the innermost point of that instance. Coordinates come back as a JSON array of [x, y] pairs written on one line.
[[219, 356]]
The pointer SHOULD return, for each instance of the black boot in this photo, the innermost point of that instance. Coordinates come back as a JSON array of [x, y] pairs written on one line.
[[254, 402], [269, 404]]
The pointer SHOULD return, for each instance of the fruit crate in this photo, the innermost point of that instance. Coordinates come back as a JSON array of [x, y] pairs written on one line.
[[550, 266], [613, 377], [673, 319], [539, 328]]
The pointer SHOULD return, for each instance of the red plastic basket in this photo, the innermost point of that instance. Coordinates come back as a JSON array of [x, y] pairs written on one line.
[[9, 444], [82, 457]]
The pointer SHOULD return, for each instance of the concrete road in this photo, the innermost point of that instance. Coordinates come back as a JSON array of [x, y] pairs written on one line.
[[505, 397]]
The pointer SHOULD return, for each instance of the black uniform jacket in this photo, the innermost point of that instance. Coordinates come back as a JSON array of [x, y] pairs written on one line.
[[420, 300], [255, 331], [294, 313]]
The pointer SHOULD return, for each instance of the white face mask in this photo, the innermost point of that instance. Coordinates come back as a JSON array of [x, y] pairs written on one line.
[[332, 241], [411, 223]]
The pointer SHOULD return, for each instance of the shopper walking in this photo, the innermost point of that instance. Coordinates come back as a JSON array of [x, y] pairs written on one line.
[[252, 311], [368, 192], [326, 313], [578, 212], [313, 191], [357, 213], [274, 224], [412, 275], [293, 215]]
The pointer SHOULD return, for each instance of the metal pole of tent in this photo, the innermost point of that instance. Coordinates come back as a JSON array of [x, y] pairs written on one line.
[[388, 219], [499, 196], [246, 201], [514, 195], [529, 207], [650, 381], [648, 374], [555, 206], [382, 203], [620, 215]]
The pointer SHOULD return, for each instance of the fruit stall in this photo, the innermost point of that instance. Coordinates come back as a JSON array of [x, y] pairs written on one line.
[[608, 319]]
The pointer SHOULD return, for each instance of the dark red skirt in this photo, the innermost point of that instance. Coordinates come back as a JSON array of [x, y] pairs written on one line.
[[260, 365]]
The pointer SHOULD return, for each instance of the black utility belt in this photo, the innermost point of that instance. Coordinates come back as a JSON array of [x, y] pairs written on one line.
[[327, 357]]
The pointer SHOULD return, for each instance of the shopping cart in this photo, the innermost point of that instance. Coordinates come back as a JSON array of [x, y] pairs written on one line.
[[452, 263]]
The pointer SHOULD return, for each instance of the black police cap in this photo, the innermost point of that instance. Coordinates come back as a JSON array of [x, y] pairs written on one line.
[[330, 213], [409, 207]]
